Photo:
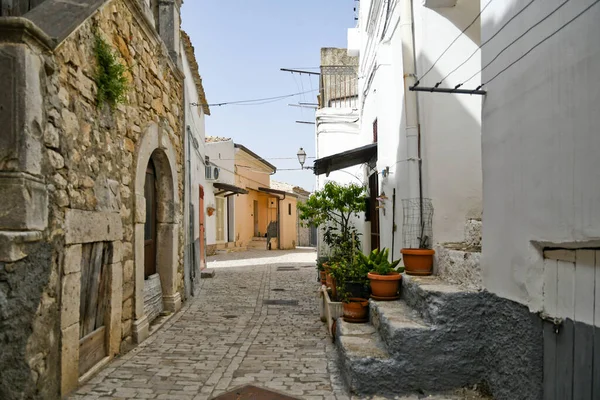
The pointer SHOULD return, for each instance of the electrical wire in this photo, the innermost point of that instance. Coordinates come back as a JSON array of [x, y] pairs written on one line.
[[451, 44], [265, 100], [548, 37], [518, 38], [487, 41]]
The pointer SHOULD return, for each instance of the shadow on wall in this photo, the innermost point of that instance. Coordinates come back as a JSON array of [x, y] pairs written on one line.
[[504, 370], [461, 16], [29, 358]]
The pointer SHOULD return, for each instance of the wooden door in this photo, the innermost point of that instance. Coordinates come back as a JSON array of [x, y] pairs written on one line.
[[374, 211], [93, 304], [150, 225], [256, 233], [201, 224], [571, 302]]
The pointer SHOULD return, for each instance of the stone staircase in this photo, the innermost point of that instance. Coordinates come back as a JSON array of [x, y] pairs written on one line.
[[426, 342], [260, 243], [444, 335]]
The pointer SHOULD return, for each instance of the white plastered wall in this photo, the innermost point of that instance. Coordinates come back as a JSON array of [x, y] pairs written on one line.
[[541, 167]]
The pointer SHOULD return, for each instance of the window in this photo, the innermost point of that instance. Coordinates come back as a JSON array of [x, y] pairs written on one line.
[[289, 209]]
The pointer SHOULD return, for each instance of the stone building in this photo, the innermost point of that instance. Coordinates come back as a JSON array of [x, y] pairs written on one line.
[[91, 242]]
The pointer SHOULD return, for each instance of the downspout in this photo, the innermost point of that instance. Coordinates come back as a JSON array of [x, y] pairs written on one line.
[[279, 200], [190, 231], [411, 105]]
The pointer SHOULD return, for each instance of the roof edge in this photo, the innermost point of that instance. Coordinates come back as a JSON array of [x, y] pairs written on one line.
[[253, 154]]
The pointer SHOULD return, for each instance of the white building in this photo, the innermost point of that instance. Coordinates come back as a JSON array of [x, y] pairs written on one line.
[[541, 170], [196, 186], [426, 145], [220, 226]]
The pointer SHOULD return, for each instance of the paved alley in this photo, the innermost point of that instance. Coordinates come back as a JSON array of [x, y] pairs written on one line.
[[229, 336]]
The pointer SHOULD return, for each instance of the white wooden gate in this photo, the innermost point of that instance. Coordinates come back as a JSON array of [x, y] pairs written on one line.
[[571, 301]]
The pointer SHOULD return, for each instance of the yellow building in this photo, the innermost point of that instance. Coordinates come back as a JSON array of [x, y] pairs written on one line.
[[265, 217]]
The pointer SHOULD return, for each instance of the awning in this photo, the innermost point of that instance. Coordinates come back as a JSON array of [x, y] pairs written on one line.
[[225, 188], [346, 159]]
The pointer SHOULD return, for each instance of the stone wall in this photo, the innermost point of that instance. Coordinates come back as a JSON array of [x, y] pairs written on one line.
[[91, 150], [60, 151]]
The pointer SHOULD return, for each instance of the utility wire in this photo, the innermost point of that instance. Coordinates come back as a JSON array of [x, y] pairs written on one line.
[[548, 37], [454, 41], [265, 100], [521, 36], [486, 42]]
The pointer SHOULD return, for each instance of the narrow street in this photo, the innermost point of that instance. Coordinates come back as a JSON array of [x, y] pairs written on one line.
[[228, 336]]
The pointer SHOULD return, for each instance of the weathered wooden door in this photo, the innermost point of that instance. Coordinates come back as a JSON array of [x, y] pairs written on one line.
[[93, 302], [201, 224], [571, 300], [255, 214], [150, 225], [374, 211]]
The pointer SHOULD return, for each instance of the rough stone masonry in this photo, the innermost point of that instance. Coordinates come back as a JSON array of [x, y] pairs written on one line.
[[70, 175]]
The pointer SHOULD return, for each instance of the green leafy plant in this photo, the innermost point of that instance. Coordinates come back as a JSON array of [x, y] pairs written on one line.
[[347, 272], [378, 262], [110, 75], [332, 208]]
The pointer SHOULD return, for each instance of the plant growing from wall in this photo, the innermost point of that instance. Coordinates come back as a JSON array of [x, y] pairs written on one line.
[[110, 75], [332, 209]]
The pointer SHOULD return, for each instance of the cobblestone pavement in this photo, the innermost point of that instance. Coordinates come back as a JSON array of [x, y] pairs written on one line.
[[228, 337]]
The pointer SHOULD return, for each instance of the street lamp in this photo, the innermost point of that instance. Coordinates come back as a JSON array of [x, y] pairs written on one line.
[[301, 157]]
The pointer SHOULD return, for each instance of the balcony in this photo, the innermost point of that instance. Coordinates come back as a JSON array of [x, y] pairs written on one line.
[[338, 86]]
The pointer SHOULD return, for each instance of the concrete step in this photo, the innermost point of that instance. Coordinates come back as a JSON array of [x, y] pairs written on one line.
[[414, 362], [438, 301], [397, 324], [257, 244], [459, 263]]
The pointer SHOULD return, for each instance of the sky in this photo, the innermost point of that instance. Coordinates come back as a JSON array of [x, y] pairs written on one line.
[[240, 46]]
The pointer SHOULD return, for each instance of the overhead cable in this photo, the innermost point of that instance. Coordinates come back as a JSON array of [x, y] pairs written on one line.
[[521, 36], [266, 100], [452, 43], [548, 37], [487, 41]]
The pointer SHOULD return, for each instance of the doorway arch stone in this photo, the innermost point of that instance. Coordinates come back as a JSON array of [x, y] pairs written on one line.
[[156, 145]]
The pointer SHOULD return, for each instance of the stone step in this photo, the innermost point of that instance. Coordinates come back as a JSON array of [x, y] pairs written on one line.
[[438, 301], [473, 232], [397, 324], [416, 365], [459, 263]]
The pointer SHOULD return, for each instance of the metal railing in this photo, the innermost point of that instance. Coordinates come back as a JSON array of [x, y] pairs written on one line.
[[338, 86]]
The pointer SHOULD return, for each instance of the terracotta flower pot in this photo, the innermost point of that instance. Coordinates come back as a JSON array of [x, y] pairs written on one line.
[[385, 285], [323, 276], [356, 308], [418, 261]]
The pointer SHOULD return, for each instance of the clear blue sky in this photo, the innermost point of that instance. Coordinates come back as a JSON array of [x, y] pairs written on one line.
[[240, 46]]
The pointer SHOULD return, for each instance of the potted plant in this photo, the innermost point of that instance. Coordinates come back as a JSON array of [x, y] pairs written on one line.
[[419, 261], [417, 232], [354, 309], [384, 278]]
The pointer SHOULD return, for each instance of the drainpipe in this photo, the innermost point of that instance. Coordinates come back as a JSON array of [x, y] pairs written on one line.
[[279, 200], [190, 231], [411, 106]]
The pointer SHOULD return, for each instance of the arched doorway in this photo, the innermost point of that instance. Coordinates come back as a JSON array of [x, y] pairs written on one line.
[[157, 230]]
